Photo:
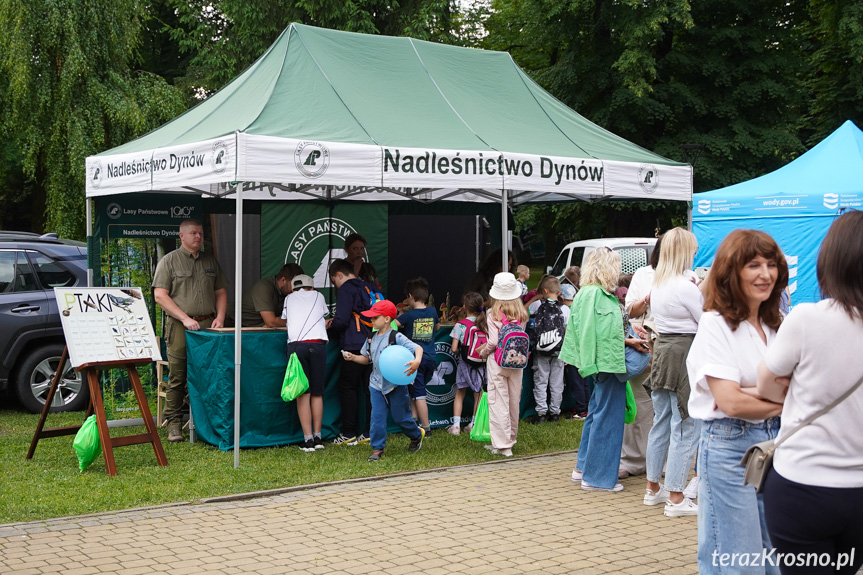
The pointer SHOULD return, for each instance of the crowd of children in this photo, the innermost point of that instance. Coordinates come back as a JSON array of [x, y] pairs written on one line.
[[491, 341]]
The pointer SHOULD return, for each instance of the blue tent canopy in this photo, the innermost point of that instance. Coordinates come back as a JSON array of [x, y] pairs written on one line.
[[795, 204]]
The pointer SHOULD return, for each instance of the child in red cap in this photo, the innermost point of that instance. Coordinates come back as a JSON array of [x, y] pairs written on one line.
[[386, 397]]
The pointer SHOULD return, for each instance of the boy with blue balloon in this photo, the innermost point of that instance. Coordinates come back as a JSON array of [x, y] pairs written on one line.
[[395, 360]]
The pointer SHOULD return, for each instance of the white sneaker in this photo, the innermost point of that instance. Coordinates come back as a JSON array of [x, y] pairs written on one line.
[[691, 490], [506, 452], [588, 487], [655, 497], [453, 430], [682, 509], [576, 475]]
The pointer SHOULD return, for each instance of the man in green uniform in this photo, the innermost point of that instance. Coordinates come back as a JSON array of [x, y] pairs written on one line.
[[190, 287], [262, 305]]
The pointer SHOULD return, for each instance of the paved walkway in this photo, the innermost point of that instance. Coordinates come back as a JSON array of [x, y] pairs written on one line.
[[515, 516]]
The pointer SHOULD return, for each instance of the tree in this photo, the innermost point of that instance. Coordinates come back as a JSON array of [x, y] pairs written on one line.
[[15, 207], [724, 74], [835, 77], [721, 73], [67, 91], [226, 36]]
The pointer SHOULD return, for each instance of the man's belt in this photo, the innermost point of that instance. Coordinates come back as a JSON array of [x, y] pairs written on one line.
[[203, 317]]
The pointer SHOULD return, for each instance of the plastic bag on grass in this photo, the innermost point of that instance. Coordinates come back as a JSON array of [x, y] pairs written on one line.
[[296, 383], [87, 444], [631, 408], [480, 431]]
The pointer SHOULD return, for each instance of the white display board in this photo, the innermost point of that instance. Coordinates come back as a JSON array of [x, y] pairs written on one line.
[[106, 324]]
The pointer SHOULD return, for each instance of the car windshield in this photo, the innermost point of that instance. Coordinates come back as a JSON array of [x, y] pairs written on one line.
[[561, 263]]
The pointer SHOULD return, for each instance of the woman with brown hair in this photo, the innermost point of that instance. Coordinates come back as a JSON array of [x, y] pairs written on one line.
[[813, 497], [741, 302], [355, 248]]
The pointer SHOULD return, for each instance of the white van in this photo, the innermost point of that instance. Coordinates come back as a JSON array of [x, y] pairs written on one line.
[[634, 253]]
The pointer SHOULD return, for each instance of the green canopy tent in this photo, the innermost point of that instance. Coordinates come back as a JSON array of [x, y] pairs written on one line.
[[332, 115]]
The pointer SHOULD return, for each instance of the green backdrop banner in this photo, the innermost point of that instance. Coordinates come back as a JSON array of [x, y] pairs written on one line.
[[312, 234]]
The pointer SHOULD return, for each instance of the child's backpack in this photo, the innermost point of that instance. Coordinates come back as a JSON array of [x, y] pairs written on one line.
[[392, 341], [474, 340], [513, 346], [548, 328], [373, 297]]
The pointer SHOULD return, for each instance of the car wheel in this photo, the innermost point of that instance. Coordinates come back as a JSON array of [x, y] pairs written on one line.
[[35, 374]]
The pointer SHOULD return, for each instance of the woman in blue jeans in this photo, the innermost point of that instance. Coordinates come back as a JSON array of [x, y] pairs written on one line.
[[677, 306], [594, 343], [741, 296]]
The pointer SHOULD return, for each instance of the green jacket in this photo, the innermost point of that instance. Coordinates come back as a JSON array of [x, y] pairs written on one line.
[[594, 336]]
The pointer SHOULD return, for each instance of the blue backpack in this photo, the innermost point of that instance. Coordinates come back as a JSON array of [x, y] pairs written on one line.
[[513, 346], [374, 297]]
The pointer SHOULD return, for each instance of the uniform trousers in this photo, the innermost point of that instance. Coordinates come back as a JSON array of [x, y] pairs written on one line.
[[175, 389]]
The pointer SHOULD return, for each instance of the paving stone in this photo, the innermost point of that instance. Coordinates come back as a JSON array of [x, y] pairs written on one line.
[[516, 516]]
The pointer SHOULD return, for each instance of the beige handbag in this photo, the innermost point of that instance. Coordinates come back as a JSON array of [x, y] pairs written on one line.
[[758, 459]]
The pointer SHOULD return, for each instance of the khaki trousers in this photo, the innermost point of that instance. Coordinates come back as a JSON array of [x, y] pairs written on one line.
[[633, 454], [175, 390], [504, 397]]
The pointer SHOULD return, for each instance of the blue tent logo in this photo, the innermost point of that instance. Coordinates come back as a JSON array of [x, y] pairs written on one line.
[[831, 201], [792, 272], [704, 207]]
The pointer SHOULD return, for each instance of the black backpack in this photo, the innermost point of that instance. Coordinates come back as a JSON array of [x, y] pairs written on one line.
[[548, 328], [392, 341]]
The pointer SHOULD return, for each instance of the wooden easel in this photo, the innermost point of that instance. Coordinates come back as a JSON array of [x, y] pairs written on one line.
[[91, 372]]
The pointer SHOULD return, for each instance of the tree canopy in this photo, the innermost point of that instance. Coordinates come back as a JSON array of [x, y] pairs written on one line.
[[226, 36], [68, 89], [753, 83]]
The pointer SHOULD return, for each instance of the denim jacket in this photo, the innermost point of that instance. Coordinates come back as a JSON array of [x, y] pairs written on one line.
[[594, 335]]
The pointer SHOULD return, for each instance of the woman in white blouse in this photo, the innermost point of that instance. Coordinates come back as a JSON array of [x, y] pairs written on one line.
[[677, 306], [813, 496], [741, 300]]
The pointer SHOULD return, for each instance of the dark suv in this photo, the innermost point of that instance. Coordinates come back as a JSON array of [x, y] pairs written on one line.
[[31, 336]]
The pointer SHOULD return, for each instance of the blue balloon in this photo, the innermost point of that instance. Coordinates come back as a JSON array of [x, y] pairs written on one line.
[[392, 363]]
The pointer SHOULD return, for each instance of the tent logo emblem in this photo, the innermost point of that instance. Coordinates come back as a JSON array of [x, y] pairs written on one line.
[[648, 178], [831, 201], [704, 207], [114, 211], [312, 159], [313, 247], [444, 375], [219, 158], [95, 176]]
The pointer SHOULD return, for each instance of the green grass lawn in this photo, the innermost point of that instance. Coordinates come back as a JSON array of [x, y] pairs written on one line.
[[50, 484], [536, 273]]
